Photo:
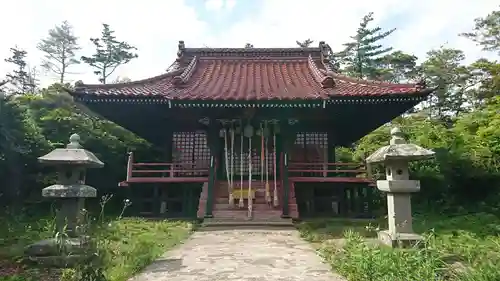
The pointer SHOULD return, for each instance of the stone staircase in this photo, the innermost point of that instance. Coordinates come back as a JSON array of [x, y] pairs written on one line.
[[263, 213]]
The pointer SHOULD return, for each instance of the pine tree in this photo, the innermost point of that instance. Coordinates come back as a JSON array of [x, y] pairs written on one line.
[[362, 57], [444, 69], [59, 48], [305, 44], [398, 67], [19, 78], [486, 32], [110, 54]]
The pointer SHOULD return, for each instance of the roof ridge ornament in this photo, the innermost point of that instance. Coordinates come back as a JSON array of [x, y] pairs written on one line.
[[181, 48], [321, 77], [186, 74], [326, 50]]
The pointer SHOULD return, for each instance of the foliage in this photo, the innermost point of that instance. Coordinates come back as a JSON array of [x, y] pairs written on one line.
[[110, 54], [59, 48], [444, 70], [486, 32], [20, 77], [120, 246], [20, 140], [464, 247], [466, 169], [361, 56], [305, 44], [486, 76], [398, 67], [35, 124]]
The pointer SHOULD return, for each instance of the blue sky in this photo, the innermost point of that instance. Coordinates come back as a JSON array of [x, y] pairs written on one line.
[[155, 26]]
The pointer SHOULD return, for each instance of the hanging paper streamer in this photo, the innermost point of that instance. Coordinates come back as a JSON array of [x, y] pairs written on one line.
[[275, 192], [249, 134], [231, 174], [226, 154], [262, 157], [241, 204], [266, 139]]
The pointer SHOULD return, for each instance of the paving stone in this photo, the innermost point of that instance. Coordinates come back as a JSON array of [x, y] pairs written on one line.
[[240, 255]]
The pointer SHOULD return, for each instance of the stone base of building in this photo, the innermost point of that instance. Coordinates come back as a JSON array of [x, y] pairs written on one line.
[[402, 240]]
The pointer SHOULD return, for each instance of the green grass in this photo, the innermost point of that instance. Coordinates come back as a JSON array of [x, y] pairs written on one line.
[[461, 248], [135, 243], [127, 245]]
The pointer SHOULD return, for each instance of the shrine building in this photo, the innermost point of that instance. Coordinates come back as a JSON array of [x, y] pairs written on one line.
[[250, 133]]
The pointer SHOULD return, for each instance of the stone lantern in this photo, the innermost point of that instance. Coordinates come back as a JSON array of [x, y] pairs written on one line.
[[398, 186], [70, 192]]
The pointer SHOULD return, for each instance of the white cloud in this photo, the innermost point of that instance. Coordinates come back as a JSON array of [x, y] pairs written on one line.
[[219, 5], [155, 26]]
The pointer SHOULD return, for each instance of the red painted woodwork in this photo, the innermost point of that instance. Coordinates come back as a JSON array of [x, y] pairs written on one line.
[[327, 170], [330, 179], [163, 172]]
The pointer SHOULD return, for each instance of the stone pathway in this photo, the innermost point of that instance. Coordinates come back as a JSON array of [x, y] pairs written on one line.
[[240, 255]]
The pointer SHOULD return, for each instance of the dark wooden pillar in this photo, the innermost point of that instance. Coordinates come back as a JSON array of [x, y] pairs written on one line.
[[168, 145], [214, 145], [331, 147], [331, 152]]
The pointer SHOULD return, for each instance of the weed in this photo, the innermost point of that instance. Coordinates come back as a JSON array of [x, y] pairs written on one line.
[[460, 248], [119, 247]]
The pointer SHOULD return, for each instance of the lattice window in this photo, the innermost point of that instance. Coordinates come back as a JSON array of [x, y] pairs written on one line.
[[190, 151], [310, 147]]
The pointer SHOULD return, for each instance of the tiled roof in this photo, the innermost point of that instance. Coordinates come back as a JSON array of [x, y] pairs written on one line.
[[249, 74]]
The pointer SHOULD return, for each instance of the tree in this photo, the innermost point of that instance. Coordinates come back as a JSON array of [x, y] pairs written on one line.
[[59, 48], [486, 32], [444, 70], [305, 44], [19, 78], [485, 73], [110, 54], [248, 45], [362, 56], [33, 78], [398, 67]]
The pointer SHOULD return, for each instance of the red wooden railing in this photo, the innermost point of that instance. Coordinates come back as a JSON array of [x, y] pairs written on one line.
[[164, 172], [296, 169]]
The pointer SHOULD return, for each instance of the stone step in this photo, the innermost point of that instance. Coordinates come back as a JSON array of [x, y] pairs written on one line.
[[257, 200], [227, 206], [257, 224], [257, 190], [243, 213]]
